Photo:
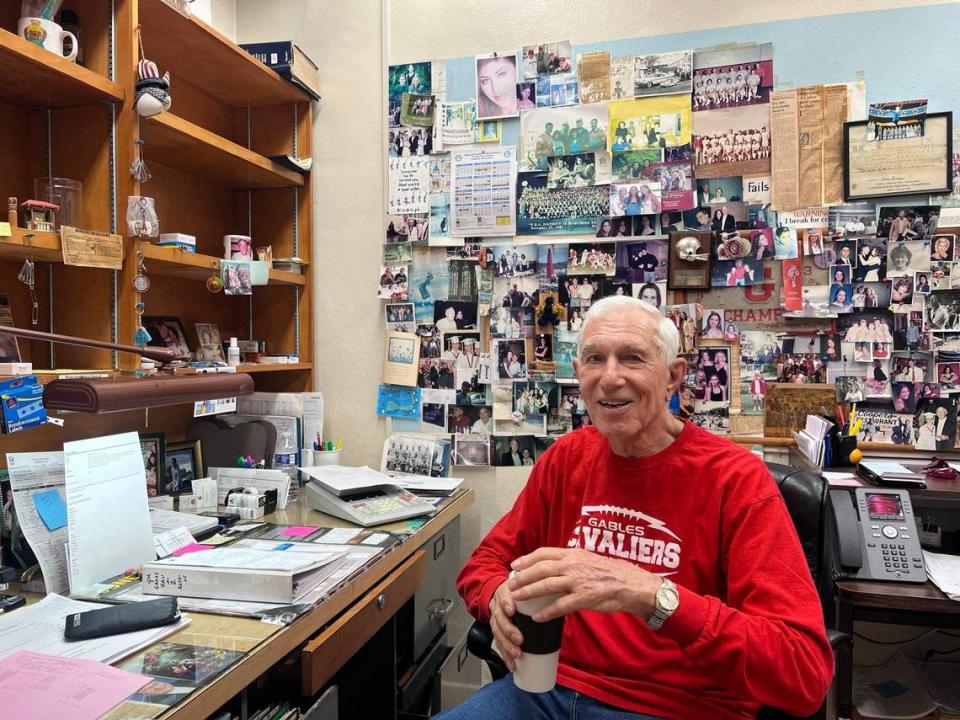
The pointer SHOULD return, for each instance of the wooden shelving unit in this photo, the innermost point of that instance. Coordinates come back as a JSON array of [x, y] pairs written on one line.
[[178, 263], [254, 368], [211, 177], [193, 50], [34, 77], [41, 246], [197, 151]]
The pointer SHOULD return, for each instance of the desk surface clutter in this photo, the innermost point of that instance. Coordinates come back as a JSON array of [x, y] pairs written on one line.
[[191, 669]]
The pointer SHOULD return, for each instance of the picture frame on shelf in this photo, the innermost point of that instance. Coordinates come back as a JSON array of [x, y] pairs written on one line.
[[167, 331], [153, 447], [906, 166], [183, 463], [209, 342]]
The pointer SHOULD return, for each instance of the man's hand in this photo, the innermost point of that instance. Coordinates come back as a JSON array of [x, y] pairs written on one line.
[[585, 581], [505, 633]]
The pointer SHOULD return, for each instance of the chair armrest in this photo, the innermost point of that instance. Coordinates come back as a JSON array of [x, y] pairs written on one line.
[[838, 640], [480, 644]]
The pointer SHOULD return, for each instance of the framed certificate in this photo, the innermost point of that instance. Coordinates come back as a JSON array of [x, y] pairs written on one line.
[[919, 165]]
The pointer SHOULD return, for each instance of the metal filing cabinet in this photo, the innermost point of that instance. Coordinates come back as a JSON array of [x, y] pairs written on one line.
[[435, 599]]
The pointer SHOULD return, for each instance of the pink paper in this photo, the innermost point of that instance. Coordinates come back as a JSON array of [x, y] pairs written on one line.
[[298, 531], [192, 548], [34, 686]]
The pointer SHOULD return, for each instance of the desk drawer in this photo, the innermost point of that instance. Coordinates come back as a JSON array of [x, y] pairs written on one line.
[[325, 654]]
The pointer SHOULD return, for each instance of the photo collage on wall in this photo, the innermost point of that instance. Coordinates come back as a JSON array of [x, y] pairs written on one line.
[[648, 176]]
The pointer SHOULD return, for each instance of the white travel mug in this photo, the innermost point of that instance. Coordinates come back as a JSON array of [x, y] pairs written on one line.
[[536, 668]]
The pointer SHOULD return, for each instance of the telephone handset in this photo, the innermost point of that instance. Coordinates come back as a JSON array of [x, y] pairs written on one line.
[[877, 536]]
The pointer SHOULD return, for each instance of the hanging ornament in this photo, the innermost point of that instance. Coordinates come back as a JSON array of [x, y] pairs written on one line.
[[153, 96], [138, 168], [140, 336], [140, 282], [214, 284], [27, 276]]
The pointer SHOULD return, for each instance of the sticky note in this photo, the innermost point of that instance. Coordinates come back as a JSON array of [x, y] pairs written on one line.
[[283, 546], [51, 508], [191, 548], [298, 531], [5, 230]]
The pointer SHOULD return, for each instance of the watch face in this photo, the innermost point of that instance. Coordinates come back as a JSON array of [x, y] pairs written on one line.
[[668, 598]]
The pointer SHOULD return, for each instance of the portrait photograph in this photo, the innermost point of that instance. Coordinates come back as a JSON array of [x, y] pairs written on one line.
[[906, 258], [210, 346], [166, 332], [496, 86], [871, 260], [511, 360], [942, 247], [153, 447], [450, 315], [850, 388], [514, 451], [183, 464], [489, 131]]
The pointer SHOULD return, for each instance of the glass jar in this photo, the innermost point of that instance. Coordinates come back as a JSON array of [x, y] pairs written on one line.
[[66, 193]]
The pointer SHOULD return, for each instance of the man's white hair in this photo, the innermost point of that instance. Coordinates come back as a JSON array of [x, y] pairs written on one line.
[[667, 335]]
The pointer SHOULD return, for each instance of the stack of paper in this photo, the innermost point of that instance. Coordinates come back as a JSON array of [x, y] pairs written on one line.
[[35, 686], [39, 628], [811, 441], [428, 485], [944, 572], [162, 521]]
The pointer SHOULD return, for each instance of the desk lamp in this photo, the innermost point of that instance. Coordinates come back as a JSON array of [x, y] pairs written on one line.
[[100, 395]]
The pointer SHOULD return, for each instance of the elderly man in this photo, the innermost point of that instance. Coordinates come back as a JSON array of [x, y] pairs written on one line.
[[684, 587]]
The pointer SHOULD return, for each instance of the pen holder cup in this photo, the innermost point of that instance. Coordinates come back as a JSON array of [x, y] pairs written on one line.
[[845, 445], [326, 457]]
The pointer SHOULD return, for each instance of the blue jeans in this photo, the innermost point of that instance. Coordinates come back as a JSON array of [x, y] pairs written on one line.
[[502, 700]]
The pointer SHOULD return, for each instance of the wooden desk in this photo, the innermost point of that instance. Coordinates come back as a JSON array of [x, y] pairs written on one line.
[[887, 602], [265, 645]]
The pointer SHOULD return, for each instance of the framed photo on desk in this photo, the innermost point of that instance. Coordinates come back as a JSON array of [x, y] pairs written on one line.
[[183, 464], [153, 447]]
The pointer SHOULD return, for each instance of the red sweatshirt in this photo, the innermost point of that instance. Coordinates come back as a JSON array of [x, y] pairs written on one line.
[[705, 513]]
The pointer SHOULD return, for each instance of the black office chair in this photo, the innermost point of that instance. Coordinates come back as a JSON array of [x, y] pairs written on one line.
[[805, 495]]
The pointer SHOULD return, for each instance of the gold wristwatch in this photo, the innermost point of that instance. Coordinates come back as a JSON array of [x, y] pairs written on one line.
[[667, 601]]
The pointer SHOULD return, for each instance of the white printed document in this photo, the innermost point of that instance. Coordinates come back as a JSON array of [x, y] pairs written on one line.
[[39, 627], [108, 516], [30, 474]]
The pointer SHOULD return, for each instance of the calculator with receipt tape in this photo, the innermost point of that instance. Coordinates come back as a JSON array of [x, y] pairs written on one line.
[[362, 496]]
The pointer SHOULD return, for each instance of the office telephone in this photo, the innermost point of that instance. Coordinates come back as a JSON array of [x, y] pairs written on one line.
[[877, 535]]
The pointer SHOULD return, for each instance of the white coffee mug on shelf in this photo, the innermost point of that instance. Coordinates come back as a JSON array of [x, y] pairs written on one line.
[[48, 35]]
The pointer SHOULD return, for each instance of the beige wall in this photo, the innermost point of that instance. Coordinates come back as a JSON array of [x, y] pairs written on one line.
[[344, 39], [476, 26]]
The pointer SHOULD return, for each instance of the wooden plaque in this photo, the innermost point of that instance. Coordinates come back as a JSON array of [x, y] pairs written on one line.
[[787, 406]]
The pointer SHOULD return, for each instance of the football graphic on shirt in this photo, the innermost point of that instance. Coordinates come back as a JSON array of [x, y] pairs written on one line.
[[627, 534]]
